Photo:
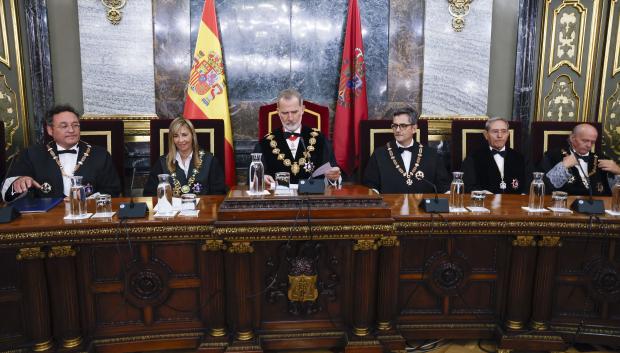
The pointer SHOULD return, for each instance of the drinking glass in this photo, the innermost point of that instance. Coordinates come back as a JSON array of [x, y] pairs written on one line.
[[559, 199], [103, 204], [283, 181], [188, 201], [477, 198]]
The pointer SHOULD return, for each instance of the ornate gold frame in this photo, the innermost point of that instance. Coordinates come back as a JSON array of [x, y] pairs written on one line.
[[136, 127], [379, 131], [572, 87], [6, 60], [107, 134], [312, 112], [584, 14], [602, 102]]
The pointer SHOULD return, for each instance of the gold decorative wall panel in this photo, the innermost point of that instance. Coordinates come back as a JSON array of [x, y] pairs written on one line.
[[569, 41], [609, 103], [13, 112]]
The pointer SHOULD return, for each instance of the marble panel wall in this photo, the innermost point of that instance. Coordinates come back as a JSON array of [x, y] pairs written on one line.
[[456, 64], [117, 60]]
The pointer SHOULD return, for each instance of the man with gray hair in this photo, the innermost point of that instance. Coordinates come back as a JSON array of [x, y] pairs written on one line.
[[404, 166], [495, 167], [575, 169], [46, 170]]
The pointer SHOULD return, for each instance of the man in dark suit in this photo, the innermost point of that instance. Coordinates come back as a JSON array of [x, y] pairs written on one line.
[[47, 169], [574, 168], [403, 165], [496, 167], [295, 148]]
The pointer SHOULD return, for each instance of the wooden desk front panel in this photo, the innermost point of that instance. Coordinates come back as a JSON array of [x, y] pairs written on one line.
[[455, 280], [12, 305]]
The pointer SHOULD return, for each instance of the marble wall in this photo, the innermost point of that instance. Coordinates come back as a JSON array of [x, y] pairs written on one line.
[[117, 60], [456, 64]]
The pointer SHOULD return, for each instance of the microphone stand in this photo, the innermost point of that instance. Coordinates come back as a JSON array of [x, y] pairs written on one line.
[[436, 205]]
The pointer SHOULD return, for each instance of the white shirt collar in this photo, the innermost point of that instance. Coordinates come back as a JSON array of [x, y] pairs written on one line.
[[297, 131], [399, 145], [492, 148], [59, 148]]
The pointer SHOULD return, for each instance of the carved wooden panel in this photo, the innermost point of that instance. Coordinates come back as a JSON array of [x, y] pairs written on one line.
[[567, 61], [609, 103], [12, 325], [452, 278], [587, 283]]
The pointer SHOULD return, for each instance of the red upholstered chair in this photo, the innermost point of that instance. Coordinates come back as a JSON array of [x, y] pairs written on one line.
[[375, 133], [109, 134], [546, 135], [210, 133], [315, 116], [467, 136]]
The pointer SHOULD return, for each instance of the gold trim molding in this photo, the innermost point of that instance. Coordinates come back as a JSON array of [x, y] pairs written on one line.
[[61, 251], [524, 241], [388, 241], [550, 242], [538, 326], [241, 247], [361, 331], [43, 346], [6, 59], [30, 254], [217, 332], [514, 325], [213, 245], [245, 335], [72, 342], [365, 245]]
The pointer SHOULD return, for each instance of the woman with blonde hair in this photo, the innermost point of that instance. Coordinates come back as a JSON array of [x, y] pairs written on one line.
[[192, 170]]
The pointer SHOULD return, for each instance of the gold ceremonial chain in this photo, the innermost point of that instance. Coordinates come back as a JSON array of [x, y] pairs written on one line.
[[287, 162], [178, 189], [77, 165], [594, 165], [409, 175]]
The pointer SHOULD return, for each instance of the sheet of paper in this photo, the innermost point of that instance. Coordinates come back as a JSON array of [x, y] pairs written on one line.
[[534, 210]]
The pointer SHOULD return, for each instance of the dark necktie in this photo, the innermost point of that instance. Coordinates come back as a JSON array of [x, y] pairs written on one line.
[[584, 158], [67, 151], [403, 149], [501, 153], [291, 135]]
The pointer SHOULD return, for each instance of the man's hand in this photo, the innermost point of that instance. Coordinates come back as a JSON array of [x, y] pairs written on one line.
[[22, 184], [609, 166], [333, 174], [569, 161], [269, 181]]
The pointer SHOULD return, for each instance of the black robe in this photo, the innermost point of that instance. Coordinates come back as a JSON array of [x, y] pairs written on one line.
[[210, 176], [322, 153], [599, 182], [381, 174], [97, 171], [481, 172]]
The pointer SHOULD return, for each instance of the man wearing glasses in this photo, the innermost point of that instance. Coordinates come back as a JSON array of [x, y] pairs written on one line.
[[496, 167], [47, 169], [403, 165]]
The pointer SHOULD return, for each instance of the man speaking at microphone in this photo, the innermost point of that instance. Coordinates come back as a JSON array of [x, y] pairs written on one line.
[[404, 166], [47, 169], [295, 148], [566, 168]]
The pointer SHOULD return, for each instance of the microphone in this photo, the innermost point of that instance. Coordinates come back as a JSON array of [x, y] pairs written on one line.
[[309, 185], [8, 213], [589, 206], [436, 205]]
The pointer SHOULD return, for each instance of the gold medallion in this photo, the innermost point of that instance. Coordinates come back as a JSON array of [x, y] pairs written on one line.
[[281, 156], [287, 162], [295, 168], [302, 160], [273, 144], [185, 189], [311, 148], [312, 141], [275, 151]]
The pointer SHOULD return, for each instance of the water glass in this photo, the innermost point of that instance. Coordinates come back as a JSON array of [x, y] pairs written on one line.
[[103, 204], [477, 198], [537, 192], [559, 199], [188, 201], [283, 181]]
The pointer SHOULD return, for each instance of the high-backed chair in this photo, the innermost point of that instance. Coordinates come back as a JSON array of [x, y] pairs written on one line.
[[315, 116], [2, 152], [375, 133], [210, 133], [108, 134], [546, 135], [467, 136]]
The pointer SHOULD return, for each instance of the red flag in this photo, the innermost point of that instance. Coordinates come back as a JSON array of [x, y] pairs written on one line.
[[352, 105], [207, 97]]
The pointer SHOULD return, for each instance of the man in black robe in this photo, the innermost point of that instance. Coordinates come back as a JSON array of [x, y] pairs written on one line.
[[496, 167], [295, 148], [574, 168], [46, 170], [403, 165]]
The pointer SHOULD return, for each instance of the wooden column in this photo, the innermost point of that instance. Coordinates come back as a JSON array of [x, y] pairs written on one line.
[[61, 273], [522, 263], [364, 288], [543, 283], [36, 299], [238, 277], [387, 298], [212, 298]]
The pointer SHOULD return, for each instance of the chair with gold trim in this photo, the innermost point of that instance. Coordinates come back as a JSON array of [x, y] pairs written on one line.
[[547, 135], [210, 133], [467, 136], [375, 133], [315, 116]]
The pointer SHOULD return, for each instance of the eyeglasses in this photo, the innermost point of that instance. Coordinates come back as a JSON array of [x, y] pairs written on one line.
[[400, 126], [64, 126]]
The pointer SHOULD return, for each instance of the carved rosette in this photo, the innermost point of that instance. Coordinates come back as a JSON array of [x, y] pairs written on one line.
[[603, 280], [365, 245], [240, 247], [146, 284], [447, 275], [30, 254]]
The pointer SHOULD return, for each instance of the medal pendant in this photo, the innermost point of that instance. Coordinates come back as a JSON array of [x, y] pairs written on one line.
[[46, 188], [295, 168], [185, 189], [502, 185], [409, 182]]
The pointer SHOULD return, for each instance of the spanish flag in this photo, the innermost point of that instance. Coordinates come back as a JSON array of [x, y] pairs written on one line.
[[206, 89]]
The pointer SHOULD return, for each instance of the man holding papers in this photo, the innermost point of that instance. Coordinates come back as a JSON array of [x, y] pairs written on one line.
[[47, 169], [295, 148]]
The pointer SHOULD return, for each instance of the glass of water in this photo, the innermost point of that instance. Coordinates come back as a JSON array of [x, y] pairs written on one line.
[[188, 201], [477, 198], [283, 181], [103, 204], [559, 199]]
